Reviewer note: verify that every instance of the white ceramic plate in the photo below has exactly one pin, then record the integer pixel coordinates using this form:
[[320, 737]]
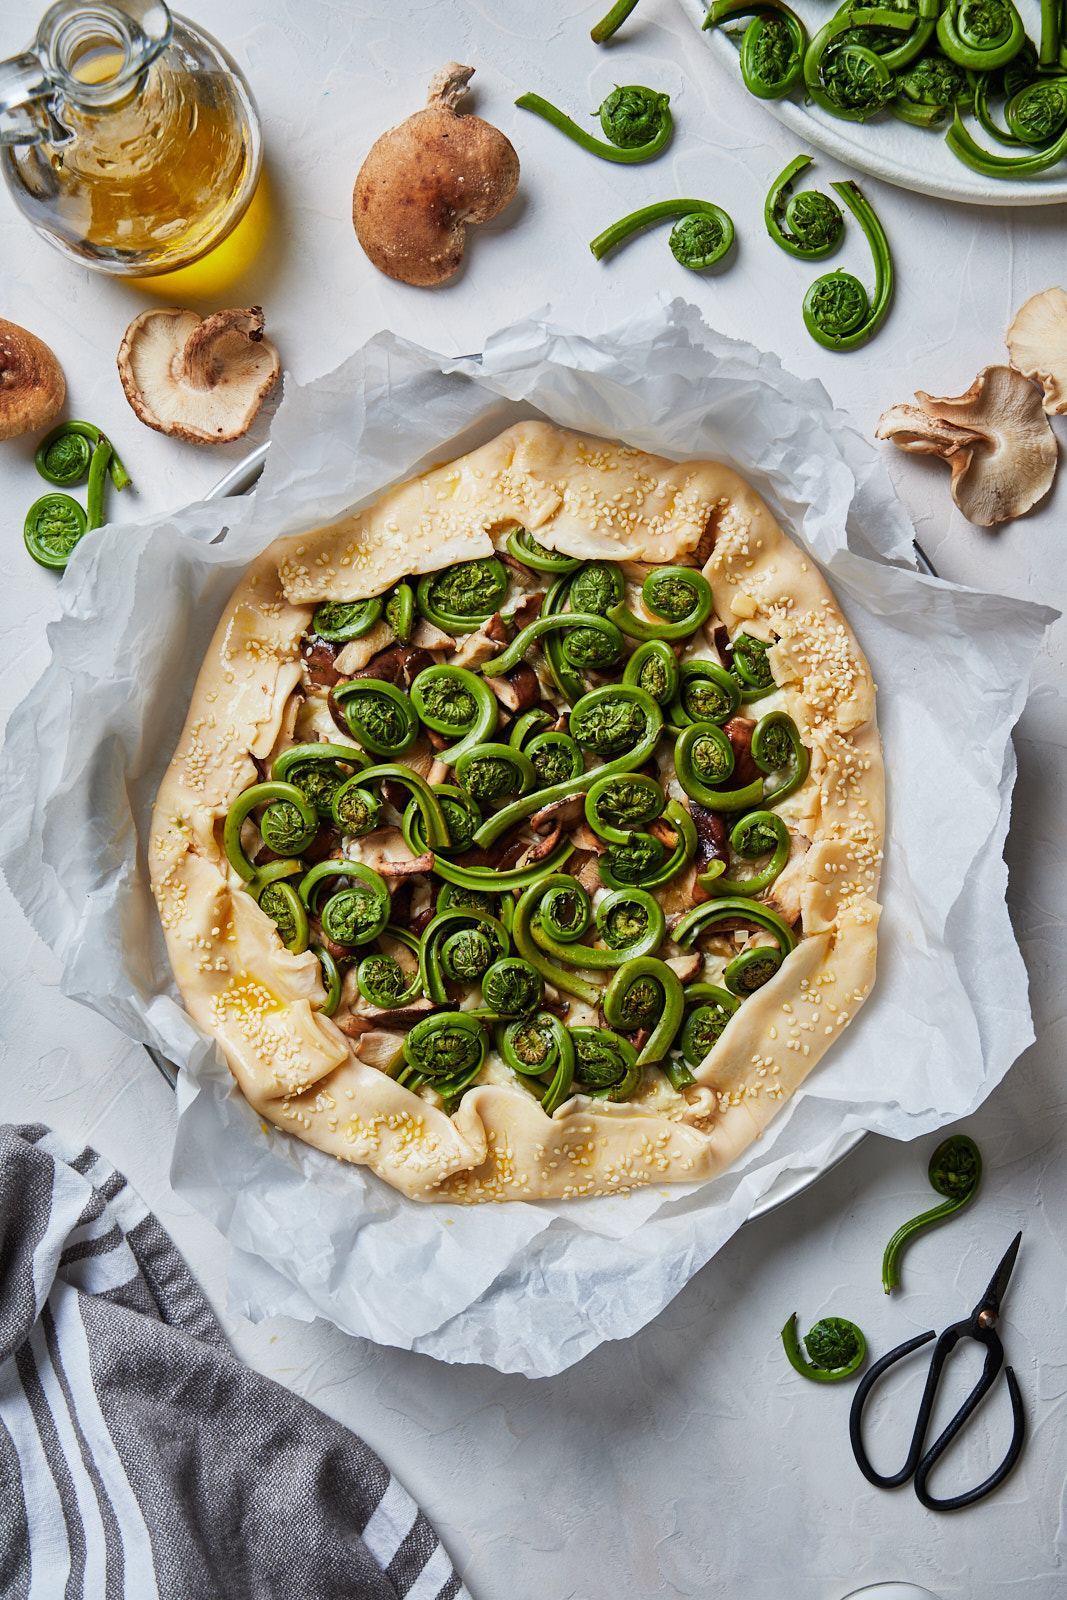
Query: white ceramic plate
[[912, 158]]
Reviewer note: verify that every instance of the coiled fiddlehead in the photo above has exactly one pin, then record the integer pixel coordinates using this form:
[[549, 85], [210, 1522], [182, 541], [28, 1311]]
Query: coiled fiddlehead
[[339, 621], [601, 718], [773, 46], [462, 816], [555, 758], [646, 993], [453, 701], [459, 946], [955, 1171], [679, 596], [590, 641], [274, 893], [653, 667], [63, 456], [453, 898], [460, 598], [1039, 111], [631, 862], [318, 771], [707, 1011], [750, 970], [568, 910], [533, 1048], [844, 70], [354, 809], [929, 88], [636, 120], [760, 833], [53, 526], [379, 716], [446, 1051], [972, 155], [512, 987], [287, 825], [699, 240], [434, 827], [837, 312], [605, 1064], [382, 980], [703, 760], [808, 224], [616, 804], [980, 34], [751, 667], [494, 771], [837, 1349], [706, 693], [777, 747], [524, 547], [331, 977], [400, 611], [55, 523], [353, 915]]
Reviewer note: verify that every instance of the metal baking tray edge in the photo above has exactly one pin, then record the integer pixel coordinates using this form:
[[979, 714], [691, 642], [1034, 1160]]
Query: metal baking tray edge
[[243, 477]]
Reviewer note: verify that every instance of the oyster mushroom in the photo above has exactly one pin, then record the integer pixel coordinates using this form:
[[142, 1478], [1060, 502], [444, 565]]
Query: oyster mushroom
[[31, 382], [199, 380], [1037, 344], [996, 439], [426, 179]]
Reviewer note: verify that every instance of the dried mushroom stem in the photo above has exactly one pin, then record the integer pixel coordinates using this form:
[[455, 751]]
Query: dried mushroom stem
[[199, 380]]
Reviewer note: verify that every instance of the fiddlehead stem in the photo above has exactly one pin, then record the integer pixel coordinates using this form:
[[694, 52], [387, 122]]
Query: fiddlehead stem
[[522, 931], [760, 833], [972, 155], [379, 716], [521, 544], [776, 747], [331, 978], [837, 1349], [837, 312], [460, 598], [614, 20], [955, 1171], [339, 621], [702, 919], [699, 240], [287, 825], [435, 828], [809, 224], [646, 993], [453, 701], [400, 611], [636, 120], [275, 895]]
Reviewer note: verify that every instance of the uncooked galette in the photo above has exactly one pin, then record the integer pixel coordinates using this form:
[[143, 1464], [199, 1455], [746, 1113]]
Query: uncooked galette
[[524, 833]]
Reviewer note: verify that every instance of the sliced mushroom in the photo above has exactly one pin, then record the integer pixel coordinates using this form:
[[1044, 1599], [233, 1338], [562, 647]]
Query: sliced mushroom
[[358, 653], [686, 966], [320, 664], [32, 388], [378, 1048], [1037, 344], [199, 380], [386, 852], [476, 648], [424, 181], [996, 439], [739, 731], [428, 636], [518, 690], [568, 811]]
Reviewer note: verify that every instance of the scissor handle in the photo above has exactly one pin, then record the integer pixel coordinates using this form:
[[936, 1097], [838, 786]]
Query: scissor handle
[[855, 1420], [941, 1444]]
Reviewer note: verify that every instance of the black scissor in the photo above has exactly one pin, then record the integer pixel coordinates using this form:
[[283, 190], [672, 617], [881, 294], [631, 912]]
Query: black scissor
[[980, 1325]]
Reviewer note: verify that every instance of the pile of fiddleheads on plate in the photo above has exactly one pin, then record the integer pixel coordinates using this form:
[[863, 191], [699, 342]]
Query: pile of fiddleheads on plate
[[924, 61], [579, 824]]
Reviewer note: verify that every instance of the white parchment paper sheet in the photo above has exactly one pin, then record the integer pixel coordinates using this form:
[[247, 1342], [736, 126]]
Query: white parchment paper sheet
[[529, 1287]]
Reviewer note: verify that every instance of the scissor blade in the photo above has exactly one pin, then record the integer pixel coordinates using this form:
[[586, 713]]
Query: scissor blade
[[990, 1301]]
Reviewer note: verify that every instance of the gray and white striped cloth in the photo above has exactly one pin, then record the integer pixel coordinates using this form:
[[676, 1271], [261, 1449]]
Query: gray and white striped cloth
[[139, 1460]]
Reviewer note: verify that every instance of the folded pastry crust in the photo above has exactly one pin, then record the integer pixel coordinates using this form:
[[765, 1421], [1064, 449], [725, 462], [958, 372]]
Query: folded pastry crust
[[595, 500]]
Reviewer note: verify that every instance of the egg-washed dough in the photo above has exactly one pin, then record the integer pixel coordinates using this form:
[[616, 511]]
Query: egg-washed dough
[[595, 500]]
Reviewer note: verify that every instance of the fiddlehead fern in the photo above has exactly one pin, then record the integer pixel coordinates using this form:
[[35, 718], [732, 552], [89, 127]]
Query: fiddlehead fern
[[646, 993], [605, 1064], [53, 526], [636, 120], [460, 598], [980, 34], [511, 987], [837, 1349], [591, 641], [55, 523], [751, 667], [808, 224], [929, 88], [972, 155], [616, 804], [318, 771], [776, 747], [706, 693], [63, 456], [708, 1010], [760, 833], [331, 978], [955, 1171], [273, 892], [843, 71], [339, 621], [524, 547], [1038, 112], [399, 611], [837, 312], [379, 716], [494, 771], [704, 759], [699, 240], [434, 826], [555, 758], [352, 915], [455, 702], [773, 46], [287, 825], [382, 980], [653, 667], [704, 918], [569, 912], [446, 1052], [533, 1048], [752, 969], [354, 809], [459, 946]]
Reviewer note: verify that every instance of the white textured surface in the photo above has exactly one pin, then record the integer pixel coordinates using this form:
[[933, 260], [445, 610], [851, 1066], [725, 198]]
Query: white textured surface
[[688, 1460]]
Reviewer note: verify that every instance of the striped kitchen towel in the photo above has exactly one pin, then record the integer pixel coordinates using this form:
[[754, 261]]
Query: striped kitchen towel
[[139, 1460]]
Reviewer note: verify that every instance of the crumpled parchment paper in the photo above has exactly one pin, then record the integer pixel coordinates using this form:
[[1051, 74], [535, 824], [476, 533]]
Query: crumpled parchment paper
[[529, 1287]]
